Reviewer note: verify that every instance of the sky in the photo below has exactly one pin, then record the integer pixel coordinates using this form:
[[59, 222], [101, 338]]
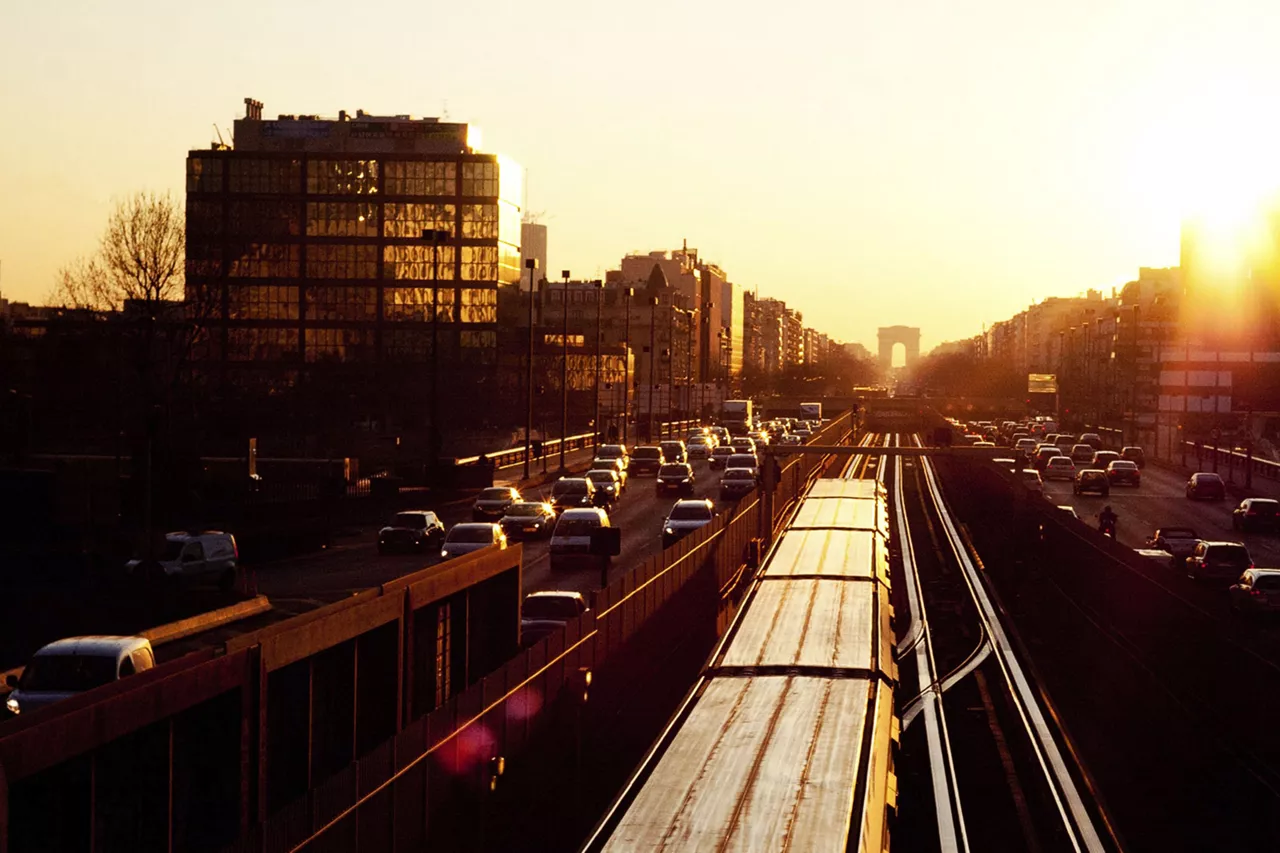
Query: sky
[[933, 164]]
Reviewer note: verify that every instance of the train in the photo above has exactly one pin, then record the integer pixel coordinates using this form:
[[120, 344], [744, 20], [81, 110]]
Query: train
[[788, 738]]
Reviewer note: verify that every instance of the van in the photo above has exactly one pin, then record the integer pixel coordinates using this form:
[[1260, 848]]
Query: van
[[571, 540], [67, 667], [208, 555]]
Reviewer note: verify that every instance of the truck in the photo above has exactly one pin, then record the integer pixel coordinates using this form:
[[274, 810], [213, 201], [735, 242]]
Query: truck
[[735, 416], [811, 411]]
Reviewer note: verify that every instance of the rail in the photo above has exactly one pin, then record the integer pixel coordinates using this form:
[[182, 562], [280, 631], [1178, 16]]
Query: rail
[[581, 441]]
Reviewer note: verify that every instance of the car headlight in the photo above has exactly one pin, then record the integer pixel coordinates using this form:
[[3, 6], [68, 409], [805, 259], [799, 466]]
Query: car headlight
[[671, 531], [12, 705], [685, 480], [444, 554]]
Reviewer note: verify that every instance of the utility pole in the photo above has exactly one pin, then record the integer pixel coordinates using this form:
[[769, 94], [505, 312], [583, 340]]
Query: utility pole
[[564, 372], [595, 442], [653, 345], [627, 293], [532, 265]]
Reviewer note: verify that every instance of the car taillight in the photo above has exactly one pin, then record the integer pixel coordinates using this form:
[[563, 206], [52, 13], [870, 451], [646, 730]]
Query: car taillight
[[1252, 512], [1256, 593]]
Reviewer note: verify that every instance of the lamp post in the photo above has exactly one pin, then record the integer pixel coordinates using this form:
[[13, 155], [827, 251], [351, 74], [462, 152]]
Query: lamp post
[[595, 423], [564, 370], [627, 293], [671, 360], [653, 345], [688, 366], [531, 264], [435, 235]]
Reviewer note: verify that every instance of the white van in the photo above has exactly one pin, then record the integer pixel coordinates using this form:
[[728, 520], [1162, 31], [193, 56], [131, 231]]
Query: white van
[[67, 667], [571, 541], [208, 555]]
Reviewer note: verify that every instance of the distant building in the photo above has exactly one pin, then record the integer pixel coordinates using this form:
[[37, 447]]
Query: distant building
[[533, 244], [316, 235]]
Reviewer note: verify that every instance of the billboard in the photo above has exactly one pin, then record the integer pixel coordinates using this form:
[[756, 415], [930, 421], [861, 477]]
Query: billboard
[[1042, 383]]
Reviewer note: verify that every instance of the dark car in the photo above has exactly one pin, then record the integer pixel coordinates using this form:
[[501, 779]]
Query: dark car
[[1256, 514], [685, 517], [606, 481], [528, 520], [1178, 541], [1042, 457], [1103, 458], [674, 451], [1092, 439], [1206, 486], [1134, 454], [719, 455], [675, 477], [412, 530], [1092, 480], [736, 482], [645, 460], [491, 504], [573, 493], [547, 611], [1122, 472], [1218, 561]]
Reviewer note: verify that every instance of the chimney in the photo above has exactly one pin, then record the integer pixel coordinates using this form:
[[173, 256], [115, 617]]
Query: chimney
[[252, 109], [342, 115]]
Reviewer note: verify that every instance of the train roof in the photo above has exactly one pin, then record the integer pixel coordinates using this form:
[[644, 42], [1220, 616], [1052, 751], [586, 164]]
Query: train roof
[[827, 552], [841, 514], [866, 489]]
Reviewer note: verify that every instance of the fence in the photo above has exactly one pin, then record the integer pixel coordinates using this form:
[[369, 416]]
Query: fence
[[1224, 460], [515, 455]]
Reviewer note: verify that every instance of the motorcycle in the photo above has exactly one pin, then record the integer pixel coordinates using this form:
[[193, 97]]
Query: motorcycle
[[1107, 526]]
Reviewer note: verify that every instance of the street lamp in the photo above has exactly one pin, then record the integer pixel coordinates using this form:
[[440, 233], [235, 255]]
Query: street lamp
[[564, 371], [627, 293], [433, 437], [595, 442], [530, 264], [688, 365], [653, 345]]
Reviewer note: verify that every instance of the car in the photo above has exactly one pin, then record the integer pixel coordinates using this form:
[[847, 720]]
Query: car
[[412, 530], [721, 434], [470, 536], [646, 459], [1256, 514], [736, 482], [192, 556], [1163, 557], [492, 503], [675, 477], [548, 610], [67, 667], [1178, 541], [674, 451], [1091, 480], [574, 493], [719, 455], [1006, 463], [1060, 468], [1257, 591], [698, 434], [1134, 453], [744, 460], [743, 444], [528, 520], [571, 541], [700, 447], [607, 483], [1025, 445], [1206, 486], [1218, 561], [1064, 442], [1043, 454], [615, 463], [1030, 478], [1068, 510], [1092, 439], [802, 433], [1122, 472], [1081, 454], [790, 440], [684, 518], [614, 452], [1102, 458]]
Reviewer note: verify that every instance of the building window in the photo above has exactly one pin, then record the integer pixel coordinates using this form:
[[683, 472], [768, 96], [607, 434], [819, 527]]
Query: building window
[[264, 176], [407, 344], [414, 303], [480, 347], [480, 263], [417, 177], [342, 303], [339, 345], [342, 219], [414, 262], [480, 221], [204, 216], [480, 179], [266, 260], [204, 174], [342, 177], [204, 259], [262, 344], [342, 261], [410, 220], [262, 302], [479, 306], [264, 218]]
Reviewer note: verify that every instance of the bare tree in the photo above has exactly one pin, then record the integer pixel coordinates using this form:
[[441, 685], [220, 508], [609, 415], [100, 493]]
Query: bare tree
[[140, 258]]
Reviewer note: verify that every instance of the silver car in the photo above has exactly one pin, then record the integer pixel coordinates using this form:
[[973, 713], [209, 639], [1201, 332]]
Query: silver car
[[67, 667], [471, 536]]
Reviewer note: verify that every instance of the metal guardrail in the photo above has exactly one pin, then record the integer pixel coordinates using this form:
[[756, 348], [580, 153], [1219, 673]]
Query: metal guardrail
[[1228, 461], [515, 455]]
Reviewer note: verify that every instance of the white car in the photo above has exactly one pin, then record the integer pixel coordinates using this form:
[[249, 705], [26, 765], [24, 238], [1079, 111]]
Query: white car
[[545, 611], [67, 667], [700, 446], [471, 536], [209, 555], [571, 540], [1030, 478], [1060, 468]]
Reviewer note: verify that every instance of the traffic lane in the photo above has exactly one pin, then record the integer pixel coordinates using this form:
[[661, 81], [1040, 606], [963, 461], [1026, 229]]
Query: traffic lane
[[639, 513], [1161, 502]]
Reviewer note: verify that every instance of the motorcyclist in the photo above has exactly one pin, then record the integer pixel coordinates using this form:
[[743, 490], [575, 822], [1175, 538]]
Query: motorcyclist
[[1107, 519]]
